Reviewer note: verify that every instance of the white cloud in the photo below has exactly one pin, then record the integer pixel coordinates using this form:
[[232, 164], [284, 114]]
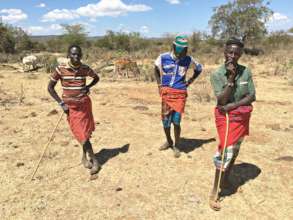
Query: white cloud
[[123, 29], [60, 14], [56, 27], [41, 5], [174, 2], [276, 17], [113, 8], [12, 15], [144, 29], [278, 22], [53, 29]]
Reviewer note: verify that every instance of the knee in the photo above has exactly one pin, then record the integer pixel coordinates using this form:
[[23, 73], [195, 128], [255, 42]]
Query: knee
[[176, 119], [86, 143]]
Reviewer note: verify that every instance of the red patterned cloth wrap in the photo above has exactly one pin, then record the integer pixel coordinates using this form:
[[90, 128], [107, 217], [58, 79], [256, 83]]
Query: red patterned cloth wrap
[[173, 100], [80, 119], [238, 125]]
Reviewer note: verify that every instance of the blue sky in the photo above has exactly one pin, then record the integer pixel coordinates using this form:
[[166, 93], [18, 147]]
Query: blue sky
[[152, 18]]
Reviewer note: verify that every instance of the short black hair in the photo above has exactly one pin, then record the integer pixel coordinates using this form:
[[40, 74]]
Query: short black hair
[[234, 40], [72, 46]]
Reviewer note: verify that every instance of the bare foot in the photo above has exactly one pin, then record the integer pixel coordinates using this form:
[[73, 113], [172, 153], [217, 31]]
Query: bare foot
[[176, 152], [165, 146], [214, 203], [87, 164], [96, 167]]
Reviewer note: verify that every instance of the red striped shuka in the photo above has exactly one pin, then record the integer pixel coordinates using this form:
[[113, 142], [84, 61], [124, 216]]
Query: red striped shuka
[[73, 81]]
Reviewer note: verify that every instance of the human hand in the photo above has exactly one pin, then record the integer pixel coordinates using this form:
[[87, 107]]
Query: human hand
[[228, 107], [86, 90], [64, 108], [231, 68], [159, 89]]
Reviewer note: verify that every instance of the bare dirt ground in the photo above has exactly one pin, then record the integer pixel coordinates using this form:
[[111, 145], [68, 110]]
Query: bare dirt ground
[[137, 181]]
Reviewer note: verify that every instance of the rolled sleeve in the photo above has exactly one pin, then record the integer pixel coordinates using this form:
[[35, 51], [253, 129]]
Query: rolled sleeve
[[56, 75], [251, 87], [158, 62], [92, 73], [216, 84]]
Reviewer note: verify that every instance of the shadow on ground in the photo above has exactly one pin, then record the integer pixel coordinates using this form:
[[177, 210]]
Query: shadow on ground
[[188, 145], [106, 154], [240, 174]]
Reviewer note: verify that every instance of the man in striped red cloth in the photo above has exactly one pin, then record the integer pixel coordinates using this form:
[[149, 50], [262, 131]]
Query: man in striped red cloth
[[76, 103], [170, 73], [234, 89]]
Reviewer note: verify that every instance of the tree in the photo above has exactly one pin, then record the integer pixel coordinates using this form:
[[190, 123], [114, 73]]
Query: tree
[[290, 30], [74, 34], [240, 17], [7, 40], [22, 40]]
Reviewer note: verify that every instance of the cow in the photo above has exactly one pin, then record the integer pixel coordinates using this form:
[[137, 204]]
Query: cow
[[29, 63], [125, 66], [253, 51], [62, 60]]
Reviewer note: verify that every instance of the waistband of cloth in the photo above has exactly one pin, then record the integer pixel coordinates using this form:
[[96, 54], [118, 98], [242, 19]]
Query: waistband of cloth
[[168, 90], [76, 100]]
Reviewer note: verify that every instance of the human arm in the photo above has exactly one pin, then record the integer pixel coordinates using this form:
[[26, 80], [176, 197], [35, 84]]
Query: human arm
[[196, 72], [157, 73], [95, 80], [247, 98], [158, 77], [55, 96]]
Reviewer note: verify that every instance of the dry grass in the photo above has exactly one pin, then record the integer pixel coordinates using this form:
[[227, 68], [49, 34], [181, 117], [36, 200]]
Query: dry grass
[[137, 181]]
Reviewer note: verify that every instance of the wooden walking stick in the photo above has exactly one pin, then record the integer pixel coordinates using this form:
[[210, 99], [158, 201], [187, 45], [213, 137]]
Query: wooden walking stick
[[223, 155], [46, 146]]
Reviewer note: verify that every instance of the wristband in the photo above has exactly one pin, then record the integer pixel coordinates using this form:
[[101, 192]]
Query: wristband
[[230, 84], [61, 103]]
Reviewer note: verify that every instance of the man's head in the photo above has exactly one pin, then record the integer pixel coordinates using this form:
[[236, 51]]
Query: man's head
[[74, 53], [180, 46], [233, 50]]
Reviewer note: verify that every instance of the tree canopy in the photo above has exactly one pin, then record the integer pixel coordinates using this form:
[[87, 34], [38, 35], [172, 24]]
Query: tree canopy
[[240, 17]]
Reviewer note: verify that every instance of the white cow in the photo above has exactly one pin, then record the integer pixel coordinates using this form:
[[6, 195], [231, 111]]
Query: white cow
[[29, 63], [62, 60]]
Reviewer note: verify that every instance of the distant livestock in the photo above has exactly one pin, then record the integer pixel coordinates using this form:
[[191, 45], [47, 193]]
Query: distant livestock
[[62, 60], [253, 51], [29, 63], [125, 66]]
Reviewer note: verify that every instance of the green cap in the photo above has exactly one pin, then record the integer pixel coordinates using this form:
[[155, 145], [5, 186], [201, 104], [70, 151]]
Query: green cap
[[181, 41]]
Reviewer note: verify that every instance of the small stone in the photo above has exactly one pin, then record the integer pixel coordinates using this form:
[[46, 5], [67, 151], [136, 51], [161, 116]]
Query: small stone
[[53, 112], [141, 108], [20, 164], [33, 114], [118, 189], [275, 127]]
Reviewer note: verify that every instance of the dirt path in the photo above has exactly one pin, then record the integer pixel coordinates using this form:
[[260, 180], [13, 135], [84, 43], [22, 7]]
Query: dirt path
[[137, 181]]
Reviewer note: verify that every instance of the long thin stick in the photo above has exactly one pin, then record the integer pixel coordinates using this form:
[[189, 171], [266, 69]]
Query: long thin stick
[[223, 155], [46, 146]]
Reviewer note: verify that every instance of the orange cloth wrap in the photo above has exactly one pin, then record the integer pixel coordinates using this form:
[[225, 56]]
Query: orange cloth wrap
[[80, 119], [174, 98]]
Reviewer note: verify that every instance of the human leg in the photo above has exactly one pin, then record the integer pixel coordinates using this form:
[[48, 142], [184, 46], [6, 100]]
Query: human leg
[[236, 148], [167, 130], [176, 119], [95, 166]]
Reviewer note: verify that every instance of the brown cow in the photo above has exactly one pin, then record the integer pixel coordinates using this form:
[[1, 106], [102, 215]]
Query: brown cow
[[125, 66]]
